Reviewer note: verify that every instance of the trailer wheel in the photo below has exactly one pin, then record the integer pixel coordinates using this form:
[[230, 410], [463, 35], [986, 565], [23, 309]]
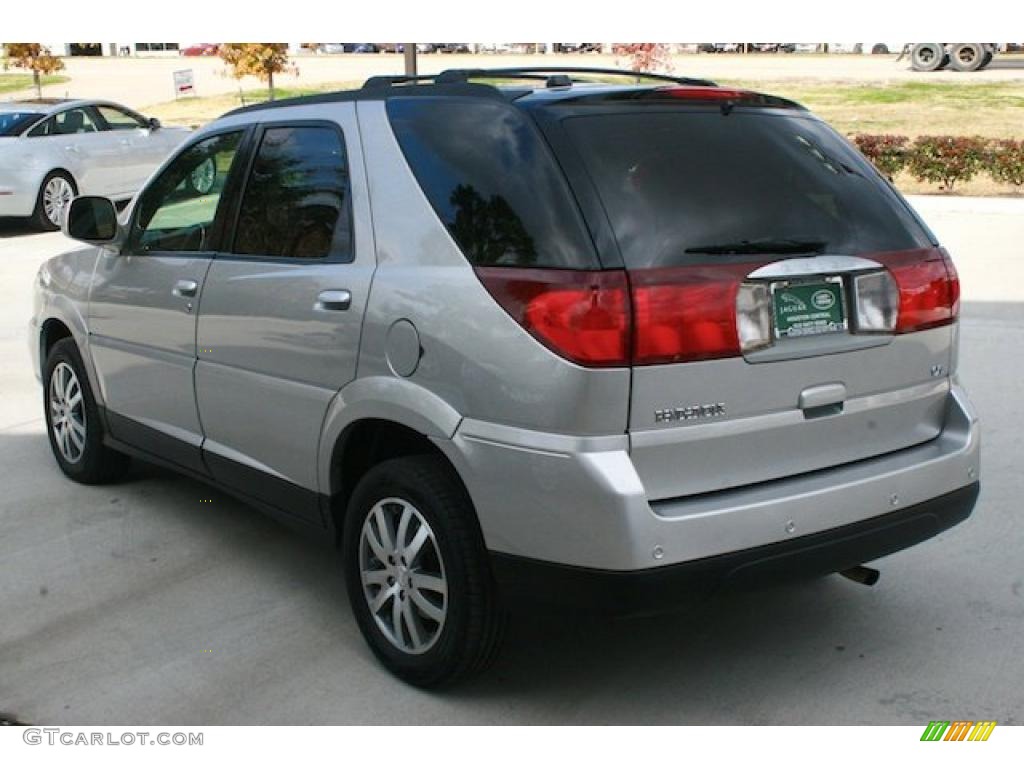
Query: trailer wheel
[[967, 57], [927, 57], [879, 49], [986, 59]]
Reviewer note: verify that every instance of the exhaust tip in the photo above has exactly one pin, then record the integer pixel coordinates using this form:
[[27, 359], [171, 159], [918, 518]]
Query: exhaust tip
[[862, 575]]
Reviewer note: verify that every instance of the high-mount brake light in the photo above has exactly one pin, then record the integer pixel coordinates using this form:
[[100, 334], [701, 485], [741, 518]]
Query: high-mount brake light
[[703, 93]]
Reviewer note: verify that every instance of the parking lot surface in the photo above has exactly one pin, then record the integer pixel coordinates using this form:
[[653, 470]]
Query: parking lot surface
[[137, 603]]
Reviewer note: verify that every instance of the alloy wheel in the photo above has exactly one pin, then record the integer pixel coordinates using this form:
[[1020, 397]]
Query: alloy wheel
[[403, 575], [67, 413], [57, 195]]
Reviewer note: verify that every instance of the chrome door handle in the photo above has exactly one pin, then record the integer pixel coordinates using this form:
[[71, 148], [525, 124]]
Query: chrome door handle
[[333, 300], [185, 288]]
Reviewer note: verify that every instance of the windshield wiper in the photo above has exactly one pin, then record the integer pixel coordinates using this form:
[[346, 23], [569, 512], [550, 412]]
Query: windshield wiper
[[766, 245]]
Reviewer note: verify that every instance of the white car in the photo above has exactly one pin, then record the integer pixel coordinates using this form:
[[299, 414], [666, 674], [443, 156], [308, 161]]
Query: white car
[[52, 150]]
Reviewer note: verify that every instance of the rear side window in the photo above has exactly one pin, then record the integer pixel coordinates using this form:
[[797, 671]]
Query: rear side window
[[493, 182], [685, 186], [297, 196], [117, 119]]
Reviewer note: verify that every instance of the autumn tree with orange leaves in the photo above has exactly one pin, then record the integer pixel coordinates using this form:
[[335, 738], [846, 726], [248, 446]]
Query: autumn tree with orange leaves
[[262, 60], [34, 57], [645, 57]]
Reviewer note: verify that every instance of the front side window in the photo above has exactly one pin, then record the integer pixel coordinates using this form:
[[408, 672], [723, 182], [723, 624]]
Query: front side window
[[296, 200], [118, 119], [74, 121], [177, 210]]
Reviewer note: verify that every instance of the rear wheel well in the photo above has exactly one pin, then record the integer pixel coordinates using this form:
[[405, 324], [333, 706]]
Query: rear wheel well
[[362, 446], [53, 331]]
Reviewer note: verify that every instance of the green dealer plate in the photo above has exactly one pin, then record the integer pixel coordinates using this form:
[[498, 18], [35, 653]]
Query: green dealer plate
[[808, 309]]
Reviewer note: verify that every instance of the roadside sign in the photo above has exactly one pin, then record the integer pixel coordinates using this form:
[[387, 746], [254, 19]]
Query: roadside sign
[[184, 83]]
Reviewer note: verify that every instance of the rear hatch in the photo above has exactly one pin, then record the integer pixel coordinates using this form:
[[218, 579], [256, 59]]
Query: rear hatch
[[790, 313]]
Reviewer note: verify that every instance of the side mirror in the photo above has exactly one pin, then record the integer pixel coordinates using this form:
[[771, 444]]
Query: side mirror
[[153, 124], [91, 220]]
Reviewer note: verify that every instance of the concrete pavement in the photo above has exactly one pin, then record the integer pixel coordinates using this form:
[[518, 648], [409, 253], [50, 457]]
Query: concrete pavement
[[135, 603]]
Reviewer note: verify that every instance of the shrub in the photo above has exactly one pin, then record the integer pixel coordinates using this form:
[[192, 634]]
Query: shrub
[[947, 159], [1005, 161], [886, 152]]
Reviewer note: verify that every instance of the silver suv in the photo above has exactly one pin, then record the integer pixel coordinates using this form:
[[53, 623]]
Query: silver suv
[[564, 341]]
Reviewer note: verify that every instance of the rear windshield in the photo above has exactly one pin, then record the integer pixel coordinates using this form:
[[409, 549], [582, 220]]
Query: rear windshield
[[685, 186], [13, 123], [492, 180]]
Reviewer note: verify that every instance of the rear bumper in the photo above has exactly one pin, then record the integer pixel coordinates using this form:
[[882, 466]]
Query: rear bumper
[[653, 590], [578, 501]]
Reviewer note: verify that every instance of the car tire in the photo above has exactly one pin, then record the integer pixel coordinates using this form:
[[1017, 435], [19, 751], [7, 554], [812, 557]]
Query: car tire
[[431, 614], [58, 186], [73, 422], [927, 57], [967, 57]]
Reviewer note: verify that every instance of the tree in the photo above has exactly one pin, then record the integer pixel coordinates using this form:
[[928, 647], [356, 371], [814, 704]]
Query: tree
[[262, 60], [34, 57], [646, 57]]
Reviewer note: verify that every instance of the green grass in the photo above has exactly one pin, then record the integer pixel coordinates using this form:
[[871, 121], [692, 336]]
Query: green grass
[[13, 82], [993, 109], [197, 110]]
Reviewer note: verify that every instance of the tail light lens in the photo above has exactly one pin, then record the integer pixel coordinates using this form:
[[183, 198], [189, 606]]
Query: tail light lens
[[685, 313], [877, 301], [929, 288], [582, 316], [604, 319]]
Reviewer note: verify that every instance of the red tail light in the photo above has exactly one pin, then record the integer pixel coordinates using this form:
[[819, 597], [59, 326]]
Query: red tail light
[[681, 314], [598, 319], [929, 288], [582, 316], [685, 313]]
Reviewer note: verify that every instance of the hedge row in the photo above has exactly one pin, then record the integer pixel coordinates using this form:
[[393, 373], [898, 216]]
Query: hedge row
[[945, 159]]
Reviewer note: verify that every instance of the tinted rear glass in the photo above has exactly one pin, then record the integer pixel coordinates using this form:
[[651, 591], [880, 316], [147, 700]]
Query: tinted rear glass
[[493, 182], [13, 123], [675, 183]]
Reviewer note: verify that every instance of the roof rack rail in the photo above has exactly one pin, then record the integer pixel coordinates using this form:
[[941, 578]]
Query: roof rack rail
[[554, 76], [460, 75]]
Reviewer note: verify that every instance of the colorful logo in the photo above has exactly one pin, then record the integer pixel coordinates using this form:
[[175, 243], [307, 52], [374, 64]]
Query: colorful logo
[[958, 730]]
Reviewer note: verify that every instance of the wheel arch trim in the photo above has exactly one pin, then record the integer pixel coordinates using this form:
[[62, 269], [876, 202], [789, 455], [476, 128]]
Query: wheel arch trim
[[382, 398]]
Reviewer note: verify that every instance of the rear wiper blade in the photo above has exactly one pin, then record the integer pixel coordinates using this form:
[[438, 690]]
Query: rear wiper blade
[[783, 246]]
